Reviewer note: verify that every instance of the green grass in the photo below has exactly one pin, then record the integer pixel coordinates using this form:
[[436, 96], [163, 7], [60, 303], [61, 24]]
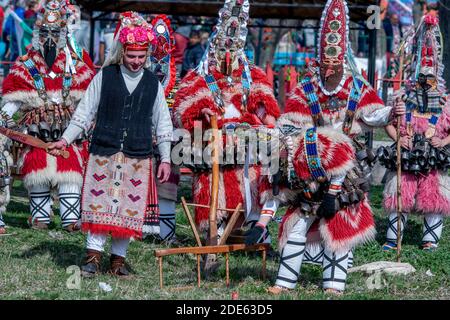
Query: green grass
[[380, 135], [33, 266]]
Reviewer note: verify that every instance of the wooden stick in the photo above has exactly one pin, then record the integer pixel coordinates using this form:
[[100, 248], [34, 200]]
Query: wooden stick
[[218, 209], [399, 193], [198, 270], [7, 234], [191, 222], [227, 268], [264, 256], [399, 173], [214, 183], [230, 225], [211, 249], [160, 272]]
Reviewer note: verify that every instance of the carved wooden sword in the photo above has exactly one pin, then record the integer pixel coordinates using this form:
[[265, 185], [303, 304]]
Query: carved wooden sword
[[30, 140]]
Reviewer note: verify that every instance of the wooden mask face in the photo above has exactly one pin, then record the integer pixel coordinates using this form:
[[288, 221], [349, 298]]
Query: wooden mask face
[[331, 74]]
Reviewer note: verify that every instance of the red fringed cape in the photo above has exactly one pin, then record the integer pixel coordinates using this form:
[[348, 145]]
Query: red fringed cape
[[297, 110], [350, 226]]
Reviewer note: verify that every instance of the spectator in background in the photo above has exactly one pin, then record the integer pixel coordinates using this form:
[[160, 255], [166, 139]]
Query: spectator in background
[[2, 18], [107, 39], [204, 35], [82, 35], [2, 44], [31, 13], [193, 53], [181, 36], [394, 33], [9, 32]]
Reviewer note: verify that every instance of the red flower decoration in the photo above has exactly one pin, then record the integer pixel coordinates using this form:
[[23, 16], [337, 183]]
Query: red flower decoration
[[431, 20]]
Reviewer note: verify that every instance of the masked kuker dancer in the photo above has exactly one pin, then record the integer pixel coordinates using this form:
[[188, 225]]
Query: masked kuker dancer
[[46, 85], [333, 97], [227, 86], [425, 129]]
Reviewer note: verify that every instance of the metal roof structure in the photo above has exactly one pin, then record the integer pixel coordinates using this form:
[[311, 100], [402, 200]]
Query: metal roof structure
[[289, 9]]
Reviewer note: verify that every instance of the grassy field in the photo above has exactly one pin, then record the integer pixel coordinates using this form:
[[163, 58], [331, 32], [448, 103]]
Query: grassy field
[[34, 264]]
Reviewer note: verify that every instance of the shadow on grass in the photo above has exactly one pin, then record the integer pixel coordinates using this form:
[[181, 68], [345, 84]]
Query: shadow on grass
[[62, 254], [66, 254], [412, 234], [309, 275], [16, 221], [413, 231], [17, 214], [20, 220]]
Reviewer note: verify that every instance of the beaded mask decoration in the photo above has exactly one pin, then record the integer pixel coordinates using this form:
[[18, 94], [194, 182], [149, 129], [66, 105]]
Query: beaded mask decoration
[[162, 61], [226, 46], [51, 24], [333, 43], [427, 53], [227, 42], [426, 91]]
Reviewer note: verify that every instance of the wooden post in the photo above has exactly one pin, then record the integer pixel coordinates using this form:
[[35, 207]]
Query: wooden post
[[160, 259], [214, 183], [198, 270], [227, 268], [191, 221], [230, 225]]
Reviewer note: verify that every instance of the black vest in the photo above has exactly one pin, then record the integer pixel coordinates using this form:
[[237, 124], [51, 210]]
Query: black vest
[[124, 121]]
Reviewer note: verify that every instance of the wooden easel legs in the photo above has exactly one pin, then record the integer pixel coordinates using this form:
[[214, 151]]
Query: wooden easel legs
[[198, 251], [212, 249]]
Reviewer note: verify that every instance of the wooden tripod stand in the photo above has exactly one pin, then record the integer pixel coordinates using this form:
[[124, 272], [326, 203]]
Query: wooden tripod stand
[[214, 246]]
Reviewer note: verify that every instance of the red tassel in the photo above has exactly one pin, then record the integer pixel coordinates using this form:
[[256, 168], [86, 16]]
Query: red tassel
[[228, 62]]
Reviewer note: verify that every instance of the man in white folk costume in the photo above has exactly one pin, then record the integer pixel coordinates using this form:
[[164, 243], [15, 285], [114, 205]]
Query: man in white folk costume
[[119, 192]]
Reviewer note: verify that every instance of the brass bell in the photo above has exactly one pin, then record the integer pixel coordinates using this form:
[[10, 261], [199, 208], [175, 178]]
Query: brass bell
[[414, 167], [56, 131], [344, 200], [354, 199], [305, 207], [361, 155], [371, 156], [44, 131], [33, 130]]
